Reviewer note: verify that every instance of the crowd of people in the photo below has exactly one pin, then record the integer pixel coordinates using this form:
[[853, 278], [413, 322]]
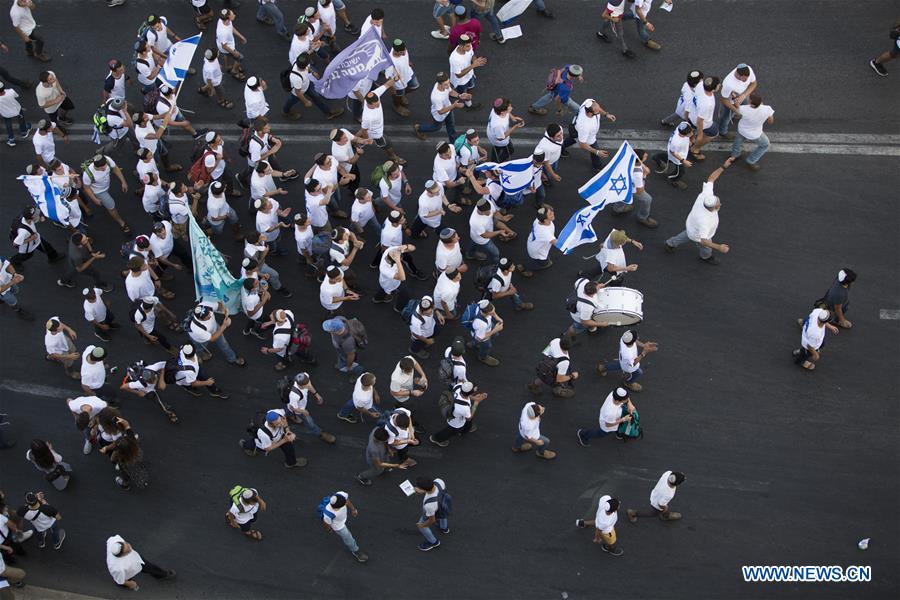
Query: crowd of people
[[346, 220]]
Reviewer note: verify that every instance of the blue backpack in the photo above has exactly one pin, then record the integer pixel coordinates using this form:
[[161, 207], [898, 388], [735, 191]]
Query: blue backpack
[[322, 508], [444, 503], [468, 317], [409, 310]]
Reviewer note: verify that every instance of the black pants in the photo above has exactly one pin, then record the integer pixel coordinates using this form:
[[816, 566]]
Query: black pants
[[290, 455], [418, 227], [66, 106], [150, 569], [44, 247], [673, 172], [354, 185], [35, 45], [9, 78], [72, 272], [416, 344], [401, 296], [449, 431], [406, 257], [109, 320], [161, 339], [502, 153]]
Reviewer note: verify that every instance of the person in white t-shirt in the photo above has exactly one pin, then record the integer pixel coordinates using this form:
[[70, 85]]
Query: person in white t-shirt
[[96, 312], [10, 110], [604, 524], [703, 220], [502, 124], [702, 115], [212, 79], [303, 89], [750, 128], [463, 63], [269, 224], [612, 414], [585, 305], [640, 197], [24, 24], [444, 100], [254, 296], [424, 325], [44, 141], [401, 65], [372, 124], [146, 381], [500, 285], [334, 517], [675, 159], [59, 343], [550, 146], [431, 489], [95, 180], [637, 11], [448, 255], [561, 378], [296, 403], [362, 401], [612, 26], [445, 172], [529, 435], [432, 205], [346, 150], [219, 212], [736, 89], [93, 374], [334, 291], [812, 338], [226, 32], [611, 258], [685, 97], [632, 352], [362, 213], [255, 104], [660, 498], [583, 131], [465, 399], [446, 292], [245, 505], [541, 239]]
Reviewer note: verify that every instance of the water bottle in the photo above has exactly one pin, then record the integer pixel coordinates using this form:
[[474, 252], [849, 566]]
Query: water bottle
[[863, 544]]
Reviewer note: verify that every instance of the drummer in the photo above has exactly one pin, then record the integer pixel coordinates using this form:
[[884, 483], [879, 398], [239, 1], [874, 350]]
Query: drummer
[[611, 258]]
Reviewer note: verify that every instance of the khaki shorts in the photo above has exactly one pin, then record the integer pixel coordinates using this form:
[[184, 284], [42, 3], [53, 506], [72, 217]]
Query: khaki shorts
[[609, 538]]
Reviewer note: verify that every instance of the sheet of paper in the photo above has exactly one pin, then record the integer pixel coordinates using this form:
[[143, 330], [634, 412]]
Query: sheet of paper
[[407, 488], [512, 32], [666, 6]]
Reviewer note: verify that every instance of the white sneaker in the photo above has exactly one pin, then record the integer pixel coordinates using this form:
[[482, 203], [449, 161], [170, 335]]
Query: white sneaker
[[24, 535], [87, 447], [439, 35]]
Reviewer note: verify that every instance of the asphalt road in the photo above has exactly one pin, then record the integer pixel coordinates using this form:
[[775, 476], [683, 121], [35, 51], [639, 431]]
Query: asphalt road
[[783, 466]]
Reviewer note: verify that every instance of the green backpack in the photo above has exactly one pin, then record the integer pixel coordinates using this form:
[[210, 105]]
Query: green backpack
[[459, 142], [100, 120], [235, 494], [380, 172], [86, 168]]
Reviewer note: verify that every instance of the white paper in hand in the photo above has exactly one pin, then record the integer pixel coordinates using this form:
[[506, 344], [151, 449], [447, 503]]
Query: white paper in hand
[[511, 33], [407, 488]]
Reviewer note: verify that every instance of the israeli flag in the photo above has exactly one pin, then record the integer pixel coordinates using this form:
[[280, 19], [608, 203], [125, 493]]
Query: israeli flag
[[213, 283], [516, 176], [614, 183], [175, 69], [578, 230], [48, 197]]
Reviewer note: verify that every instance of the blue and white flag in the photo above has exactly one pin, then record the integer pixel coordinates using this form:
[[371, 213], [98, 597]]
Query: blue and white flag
[[213, 283], [366, 57], [578, 230], [48, 197], [614, 183], [175, 69], [516, 176]]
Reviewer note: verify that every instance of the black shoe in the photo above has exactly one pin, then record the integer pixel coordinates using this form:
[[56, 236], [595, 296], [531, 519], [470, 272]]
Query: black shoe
[[217, 393], [66, 284], [603, 37], [24, 314], [102, 337], [628, 54], [365, 482], [712, 260], [192, 391], [669, 249], [285, 292], [878, 68], [546, 14], [106, 287], [564, 153]]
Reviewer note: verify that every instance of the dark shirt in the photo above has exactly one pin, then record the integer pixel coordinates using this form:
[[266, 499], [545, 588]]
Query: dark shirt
[[837, 294], [78, 254], [376, 450]]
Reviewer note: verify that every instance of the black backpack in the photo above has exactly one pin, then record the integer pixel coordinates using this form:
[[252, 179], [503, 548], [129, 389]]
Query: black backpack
[[244, 141], [257, 423], [484, 276], [285, 78], [546, 369], [15, 226]]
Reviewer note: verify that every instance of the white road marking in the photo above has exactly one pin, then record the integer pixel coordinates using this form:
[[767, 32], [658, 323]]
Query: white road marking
[[889, 314], [32, 389]]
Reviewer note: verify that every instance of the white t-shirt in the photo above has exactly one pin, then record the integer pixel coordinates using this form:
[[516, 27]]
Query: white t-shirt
[[609, 254], [304, 238], [225, 36], [162, 247], [22, 18], [732, 87], [422, 325], [604, 522], [498, 129], [678, 144], [392, 188], [703, 106], [587, 126], [259, 145], [24, 231], [141, 132], [160, 39], [458, 62], [267, 220], [439, 99], [430, 508], [478, 224], [201, 331], [56, 342], [813, 334], [610, 413], [101, 176], [9, 106], [499, 281], [255, 102], [298, 397], [662, 493], [402, 381], [446, 258], [315, 208], [251, 304], [363, 398], [299, 80], [281, 333], [186, 375], [215, 162], [400, 64], [339, 520], [243, 513], [627, 356], [685, 98], [343, 153], [540, 240], [752, 119], [552, 150], [586, 305], [373, 118], [328, 291], [96, 310], [529, 428], [362, 212], [142, 387], [140, 286], [44, 145], [391, 235], [94, 402], [481, 326], [462, 410], [217, 207], [430, 204], [299, 46], [93, 375], [260, 185], [44, 93], [145, 318], [701, 223], [212, 71], [396, 433], [446, 290], [445, 169]]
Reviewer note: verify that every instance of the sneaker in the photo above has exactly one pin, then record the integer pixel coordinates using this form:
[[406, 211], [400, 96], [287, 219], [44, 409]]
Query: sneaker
[[170, 573], [437, 443], [328, 438], [489, 361], [546, 14], [352, 29], [27, 134], [192, 391], [365, 482], [712, 260], [670, 516], [439, 35], [42, 543], [360, 556], [653, 45], [425, 546], [120, 481], [107, 287], [62, 538], [649, 222], [301, 462], [634, 387], [525, 306], [546, 454], [878, 68], [603, 37], [628, 54], [24, 535], [613, 550], [247, 452], [680, 184], [88, 446], [350, 419], [423, 354], [632, 515], [286, 293], [601, 370], [581, 440], [11, 143], [102, 337], [580, 523], [218, 393], [65, 284], [669, 249]]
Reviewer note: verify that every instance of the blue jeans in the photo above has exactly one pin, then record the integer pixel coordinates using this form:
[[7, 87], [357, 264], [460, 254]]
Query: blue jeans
[[426, 531], [643, 201], [347, 409], [587, 435], [313, 97], [540, 449], [548, 98], [448, 123], [762, 146], [493, 253], [536, 264], [571, 140], [9, 296], [643, 34], [272, 11], [484, 347], [614, 365], [355, 107], [341, 365], [347, 538], [412, 85], [53, 531], [274, 277], [223, 346], [23, 126], [539, 5], [726, 116], [310, 424], [492, 19]]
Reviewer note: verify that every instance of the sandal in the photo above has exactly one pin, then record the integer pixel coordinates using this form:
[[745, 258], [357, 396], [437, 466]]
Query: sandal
[[126, 229], [173, 418], [167, 294], [228, 104], [202, 90], [808, 366], [238, 75], [280, 366], [254, 535], [176, 328], [537, 111], [240, 362]]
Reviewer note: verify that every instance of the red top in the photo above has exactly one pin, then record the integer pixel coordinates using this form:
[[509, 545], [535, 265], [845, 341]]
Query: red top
[[472, 27]]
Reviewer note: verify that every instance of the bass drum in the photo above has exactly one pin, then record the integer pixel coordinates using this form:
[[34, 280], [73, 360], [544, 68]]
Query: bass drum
[[619, 306]]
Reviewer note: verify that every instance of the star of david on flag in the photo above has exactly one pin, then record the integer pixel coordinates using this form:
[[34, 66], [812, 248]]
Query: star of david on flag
[[178, 61], [578, 230], [516, 176], [613, 183]]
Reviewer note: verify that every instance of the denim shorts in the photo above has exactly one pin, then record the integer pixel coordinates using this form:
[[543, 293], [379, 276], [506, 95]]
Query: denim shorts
[[440, 11]]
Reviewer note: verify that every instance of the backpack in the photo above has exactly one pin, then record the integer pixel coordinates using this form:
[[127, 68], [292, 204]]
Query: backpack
[[378, 173], [358, 331], [244, 141], [127, 249], [285, 78], [468, 317], [284, 386], [322, 508], [444, 503], [409, 310], [555, 78], [86, 168], [320, 245], [199, 147], [546, 369], [151, 99], [445, 369], [446, 402], [257, 423], [100, 120], [234, 494], [136, 306], [573, 300], [15, 226], [483, 278], [199, 174], [632, 428], [459, 142]]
